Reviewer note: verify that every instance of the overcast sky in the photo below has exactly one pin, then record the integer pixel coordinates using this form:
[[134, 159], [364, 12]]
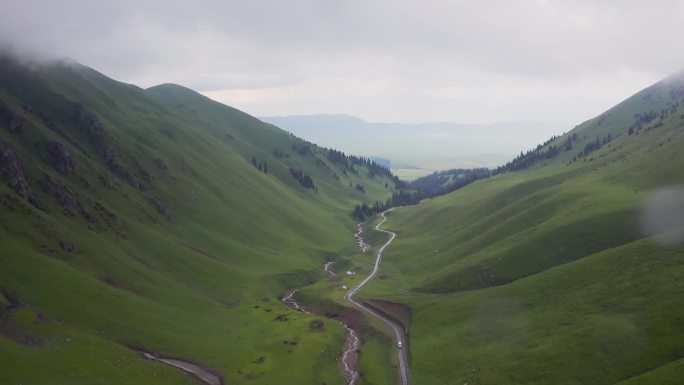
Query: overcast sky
[[398, 61]]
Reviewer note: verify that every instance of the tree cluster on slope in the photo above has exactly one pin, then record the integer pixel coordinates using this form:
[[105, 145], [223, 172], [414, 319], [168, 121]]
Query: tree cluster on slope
[[593, 146], [363, 211], [642, 120], [263, 167], [347, 162], [444, 182], [303, 179], [430, 186], [302, 148], [280, 154], [543, 151], [399, 198]]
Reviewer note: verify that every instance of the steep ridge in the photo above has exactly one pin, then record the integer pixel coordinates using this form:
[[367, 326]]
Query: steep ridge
[[548, 272], [163, 221]]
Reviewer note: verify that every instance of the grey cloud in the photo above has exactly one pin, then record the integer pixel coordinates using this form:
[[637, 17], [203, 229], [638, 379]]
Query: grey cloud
[[383, 60]]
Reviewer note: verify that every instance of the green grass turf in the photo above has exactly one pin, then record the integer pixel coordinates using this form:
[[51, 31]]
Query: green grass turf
[[669, 374], [544, 275], [202, 284], [538, 276]]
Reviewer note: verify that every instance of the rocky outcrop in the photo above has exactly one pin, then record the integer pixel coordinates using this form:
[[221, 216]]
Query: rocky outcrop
[[48, 121], [11, 122], [108, 181], [161, 164], [124, 174], [95, 133], [112, 219], [146, 177], [103, 143], [10, 168], [67, 199], [61, 158], [67, 246], [161, 208], [14, 125]]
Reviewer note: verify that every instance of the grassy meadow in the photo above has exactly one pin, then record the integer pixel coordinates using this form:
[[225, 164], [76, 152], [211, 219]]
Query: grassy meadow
[[159, 220], [546, 275], [153, 226]]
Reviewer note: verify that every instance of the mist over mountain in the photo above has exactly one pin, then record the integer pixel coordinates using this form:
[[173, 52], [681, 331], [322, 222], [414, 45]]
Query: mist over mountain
[[427, 146], [436, 193]]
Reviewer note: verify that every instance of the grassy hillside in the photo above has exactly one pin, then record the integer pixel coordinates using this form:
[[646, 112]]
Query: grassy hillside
[[545, 274], [161, 220]]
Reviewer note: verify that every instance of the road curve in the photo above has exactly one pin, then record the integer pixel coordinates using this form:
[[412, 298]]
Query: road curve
[[200, 372], [397, 328]]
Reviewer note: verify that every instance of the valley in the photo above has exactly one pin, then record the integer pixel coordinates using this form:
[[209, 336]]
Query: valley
[[419, 149], [145, 231], [159, 220]]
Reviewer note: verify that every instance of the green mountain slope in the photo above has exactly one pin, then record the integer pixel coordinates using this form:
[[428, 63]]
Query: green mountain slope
[[545, 274], [161, 220]]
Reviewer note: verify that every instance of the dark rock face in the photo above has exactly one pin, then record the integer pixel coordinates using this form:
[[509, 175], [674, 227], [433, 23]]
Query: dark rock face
[[161, 208], [108, 181], [146, 176], [10, 167], [10, 121], [162, 165], [48, 121], [112, 219], [95, 133], [67, 246], [66, 198], [104, 144], [61, 159], [14, 126], [124, 174]]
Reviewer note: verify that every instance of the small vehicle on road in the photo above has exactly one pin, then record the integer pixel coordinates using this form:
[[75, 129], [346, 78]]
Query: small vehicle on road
[[399, 345]]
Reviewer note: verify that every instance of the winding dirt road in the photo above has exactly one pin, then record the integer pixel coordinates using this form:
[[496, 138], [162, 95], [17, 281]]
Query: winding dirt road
[[397, 328], [351, 346], [353, 341], [200, 372]]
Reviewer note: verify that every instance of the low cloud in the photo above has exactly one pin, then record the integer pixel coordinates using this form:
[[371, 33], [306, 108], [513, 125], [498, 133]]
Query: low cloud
[[399, 60]]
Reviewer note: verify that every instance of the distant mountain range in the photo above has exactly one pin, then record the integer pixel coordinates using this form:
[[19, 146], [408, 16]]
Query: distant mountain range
[[429, 145]]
